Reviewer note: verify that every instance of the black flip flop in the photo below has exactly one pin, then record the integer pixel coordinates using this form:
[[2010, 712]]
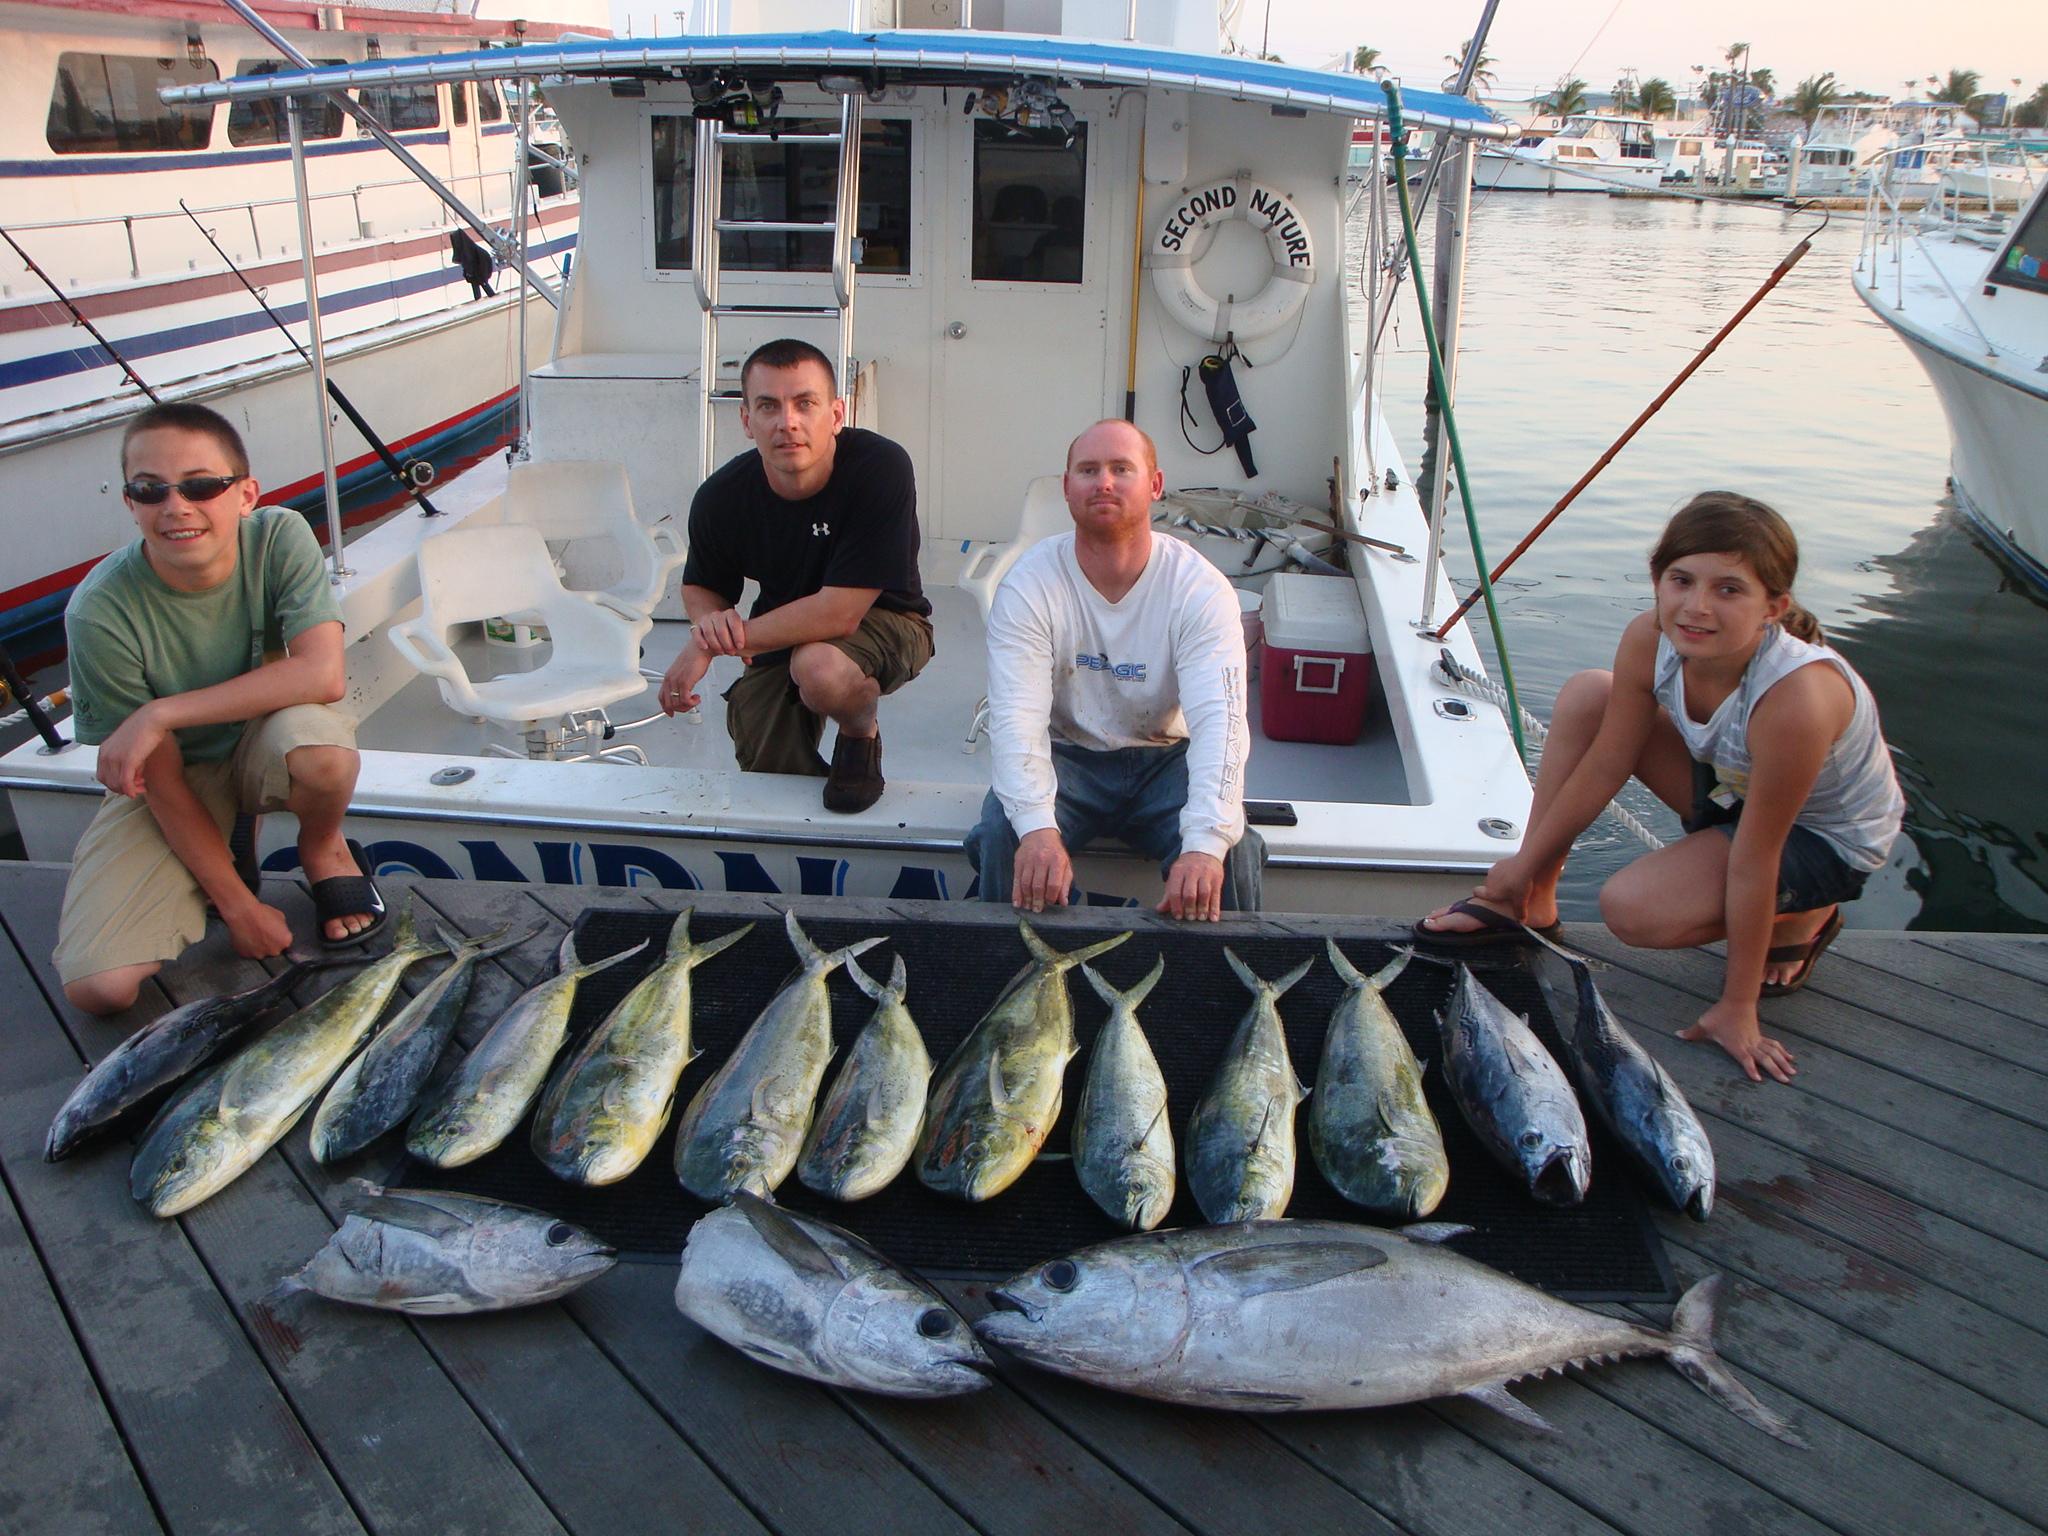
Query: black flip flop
[[341, 896], [1807, 955], [1495, 928]]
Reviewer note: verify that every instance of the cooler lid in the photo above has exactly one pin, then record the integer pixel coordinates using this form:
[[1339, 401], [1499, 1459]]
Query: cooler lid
[[1315, 613]]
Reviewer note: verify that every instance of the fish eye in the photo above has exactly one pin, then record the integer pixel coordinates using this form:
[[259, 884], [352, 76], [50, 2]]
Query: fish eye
[[1681, 1163], [560, 1233], [1532, 1139], [935, 1322], [1062, 1274]]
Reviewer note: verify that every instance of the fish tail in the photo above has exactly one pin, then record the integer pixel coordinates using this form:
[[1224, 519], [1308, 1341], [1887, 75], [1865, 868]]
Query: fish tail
[[891, 995], [816, 959], [698, 954], [1245, 973], [580, 971], [1143, 989], [1130, 999], [565, 955], [1347, 973], [1384, 976], [1103, 989], [1690, 1349], [484, 946], [1281, 986], [1046, 955], [408, 932]]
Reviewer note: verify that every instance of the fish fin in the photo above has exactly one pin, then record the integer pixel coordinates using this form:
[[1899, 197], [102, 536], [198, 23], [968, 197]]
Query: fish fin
[[679, 933], [807, 953], [998, 1095], [1086, 952], [1691, 1353], [884, 996], [1103, 989], [1433, 1231], [1143, 989], [1289, 1266], [1503, 1402], [1054, 1157], [1042, 953], [398, 1209], [565, 953], [488, 945], [1348, 973], [1245, 973], [840, 957], [791, 1243], [1384, 976], [1255, 1400], [581, 971], [758, 1103], [877, 1104], [1152, 1126], [719, 945], [1280, 987]]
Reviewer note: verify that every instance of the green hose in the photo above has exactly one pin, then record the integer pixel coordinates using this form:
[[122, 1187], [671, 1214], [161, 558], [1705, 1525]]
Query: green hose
[[1443, 395]]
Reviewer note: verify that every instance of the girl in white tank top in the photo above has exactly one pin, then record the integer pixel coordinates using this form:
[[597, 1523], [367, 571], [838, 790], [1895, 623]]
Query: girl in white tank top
[[1726, 703]]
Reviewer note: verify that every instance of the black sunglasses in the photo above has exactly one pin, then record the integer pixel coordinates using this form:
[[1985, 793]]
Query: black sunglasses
[[154, 493]]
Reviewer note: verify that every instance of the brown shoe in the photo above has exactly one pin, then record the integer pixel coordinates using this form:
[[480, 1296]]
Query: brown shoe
[[855, 782]]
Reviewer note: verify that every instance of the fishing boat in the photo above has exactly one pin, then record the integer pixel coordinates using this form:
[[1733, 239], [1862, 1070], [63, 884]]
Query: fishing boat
[[1967, 291], [1830, 160], [1593, 152], [96, 177], [1693, 155], [1036, 231]]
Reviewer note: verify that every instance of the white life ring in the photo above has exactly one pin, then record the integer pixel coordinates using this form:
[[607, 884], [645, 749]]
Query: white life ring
[[1184, 237]]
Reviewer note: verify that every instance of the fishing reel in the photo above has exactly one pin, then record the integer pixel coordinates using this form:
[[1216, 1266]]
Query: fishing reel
[[733, 101], [1030, 106], [418, 473]]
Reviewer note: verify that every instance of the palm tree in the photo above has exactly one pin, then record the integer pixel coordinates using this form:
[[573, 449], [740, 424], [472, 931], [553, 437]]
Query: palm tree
[[1363, 58], [1625, 98], [1763, 80], [1567, 100], [1655, 98], [1814, 93], [1962, 85], [1481, 75], [2033, 112]]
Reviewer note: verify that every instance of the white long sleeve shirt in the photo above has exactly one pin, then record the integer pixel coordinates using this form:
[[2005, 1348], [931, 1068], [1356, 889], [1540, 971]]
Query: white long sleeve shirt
[[1164, 664]]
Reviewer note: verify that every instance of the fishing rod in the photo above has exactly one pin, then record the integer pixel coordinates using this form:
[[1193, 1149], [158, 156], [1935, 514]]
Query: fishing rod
[[30, 706], [78, 315], [1792, 259], [417, 475]]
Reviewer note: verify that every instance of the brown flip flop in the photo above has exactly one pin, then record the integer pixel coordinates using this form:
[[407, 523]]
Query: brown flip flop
[[1806, 954], [1494, 928]]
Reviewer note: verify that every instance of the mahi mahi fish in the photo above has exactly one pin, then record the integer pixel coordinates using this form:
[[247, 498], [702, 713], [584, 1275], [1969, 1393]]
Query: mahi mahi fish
[[609, 1100], [164, 1051], [212, 1133], [483, 1099], [1279, 1315], [1240, 1147], [1123, 1147], [998, 1095], [1636, 1099], [1370, 1129], [378, 1089], [867, 1122], [433, 1254], [1513, 1094], [809, 1298], [746, 1125]]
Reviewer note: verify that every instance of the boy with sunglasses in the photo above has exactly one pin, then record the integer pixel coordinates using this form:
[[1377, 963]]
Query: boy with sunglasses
[[204, 659]]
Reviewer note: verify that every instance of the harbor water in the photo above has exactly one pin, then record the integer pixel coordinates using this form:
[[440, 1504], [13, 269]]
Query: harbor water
[[1577, 311]]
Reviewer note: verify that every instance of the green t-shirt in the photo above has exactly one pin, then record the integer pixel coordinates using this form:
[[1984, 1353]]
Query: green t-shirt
[[134, 639]]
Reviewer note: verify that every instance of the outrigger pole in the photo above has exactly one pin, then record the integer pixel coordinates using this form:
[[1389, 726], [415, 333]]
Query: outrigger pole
[[295, 112], [78, 316], [404, 474]]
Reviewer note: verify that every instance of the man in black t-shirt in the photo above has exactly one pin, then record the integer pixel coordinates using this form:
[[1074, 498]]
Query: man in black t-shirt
[[824, 517]]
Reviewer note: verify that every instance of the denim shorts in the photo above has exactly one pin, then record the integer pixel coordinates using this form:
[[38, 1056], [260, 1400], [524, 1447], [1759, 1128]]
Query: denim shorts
[[1811, 874]]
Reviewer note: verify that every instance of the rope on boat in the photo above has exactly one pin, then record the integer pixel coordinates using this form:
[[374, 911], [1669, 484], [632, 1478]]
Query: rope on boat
[[1453, 673]]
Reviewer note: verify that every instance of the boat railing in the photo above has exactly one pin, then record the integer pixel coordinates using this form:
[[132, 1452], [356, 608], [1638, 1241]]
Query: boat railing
[[139, 229], [1889, 223]]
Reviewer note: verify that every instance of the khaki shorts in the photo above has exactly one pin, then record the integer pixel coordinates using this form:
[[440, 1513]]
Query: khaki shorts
[[130, 901], [771, 730]]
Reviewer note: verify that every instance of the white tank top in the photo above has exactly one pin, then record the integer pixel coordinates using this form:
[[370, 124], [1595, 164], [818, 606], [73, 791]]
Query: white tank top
[[1855, 804]]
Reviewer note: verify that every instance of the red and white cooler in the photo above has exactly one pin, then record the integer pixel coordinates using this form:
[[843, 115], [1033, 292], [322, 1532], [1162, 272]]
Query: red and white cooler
[[1316, 679]]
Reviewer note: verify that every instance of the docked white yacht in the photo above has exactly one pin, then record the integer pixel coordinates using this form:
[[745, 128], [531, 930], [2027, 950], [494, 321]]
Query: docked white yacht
[[1968, 294], [1692, 155], [1037, 231], [1831, 159], [1594, 152], [94, 169]]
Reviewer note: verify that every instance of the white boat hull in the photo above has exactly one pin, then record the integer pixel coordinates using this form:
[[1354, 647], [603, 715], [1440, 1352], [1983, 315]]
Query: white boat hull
[[1527, 173]]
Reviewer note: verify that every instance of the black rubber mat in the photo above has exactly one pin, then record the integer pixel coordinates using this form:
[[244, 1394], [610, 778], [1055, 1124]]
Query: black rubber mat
[[1602, 1249]]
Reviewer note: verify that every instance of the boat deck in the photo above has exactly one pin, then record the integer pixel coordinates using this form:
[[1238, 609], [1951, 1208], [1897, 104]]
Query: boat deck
[[1883, 1220]]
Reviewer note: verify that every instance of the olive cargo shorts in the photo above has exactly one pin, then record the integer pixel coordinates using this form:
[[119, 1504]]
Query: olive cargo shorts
[[771, 730]]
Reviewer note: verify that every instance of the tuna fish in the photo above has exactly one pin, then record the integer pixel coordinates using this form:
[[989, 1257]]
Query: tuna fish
[[746, 1125], [1123, 1147], [213, 1132], [1513, 1095], [805, 1297], [1370, 1129], [1240, 1146], [1636, 1099], [611, 1098], [378, 1089], [164, 1051], [998, 1097], [431, 1253], [867, 1123], [1280, 1315], [483, 1100]]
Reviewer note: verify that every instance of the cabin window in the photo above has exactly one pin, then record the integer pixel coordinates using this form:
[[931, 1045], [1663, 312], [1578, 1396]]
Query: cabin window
[[2024, 261], [787, 182], [103, 103], [263, 122], [1030, 189], [488, 107], [403, 107], [458, 104]]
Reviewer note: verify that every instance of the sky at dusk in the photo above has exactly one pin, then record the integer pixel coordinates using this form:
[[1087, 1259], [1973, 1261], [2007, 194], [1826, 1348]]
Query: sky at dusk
[[1873, 45]]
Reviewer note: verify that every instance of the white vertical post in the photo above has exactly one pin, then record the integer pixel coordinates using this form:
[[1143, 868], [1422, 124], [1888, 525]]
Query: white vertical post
[[338, 569], [706, 170], [1453, 219], [521, 181]]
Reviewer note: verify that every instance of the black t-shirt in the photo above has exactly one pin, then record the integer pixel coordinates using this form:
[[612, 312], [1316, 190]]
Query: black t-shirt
[[859, 530]]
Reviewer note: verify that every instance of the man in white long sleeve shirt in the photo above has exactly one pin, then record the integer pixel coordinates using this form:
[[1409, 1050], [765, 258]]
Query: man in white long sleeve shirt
[[1117, 700]]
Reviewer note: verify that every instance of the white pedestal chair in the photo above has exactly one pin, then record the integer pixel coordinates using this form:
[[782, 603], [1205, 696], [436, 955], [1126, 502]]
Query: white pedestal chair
[[1043, 514], [473, 574], [575, 499]]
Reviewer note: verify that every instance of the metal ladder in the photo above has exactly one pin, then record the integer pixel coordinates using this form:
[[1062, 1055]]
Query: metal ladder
[[707, 224]]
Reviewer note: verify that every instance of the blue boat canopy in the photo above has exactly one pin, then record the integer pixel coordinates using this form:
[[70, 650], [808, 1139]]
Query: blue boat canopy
[[897, 58]]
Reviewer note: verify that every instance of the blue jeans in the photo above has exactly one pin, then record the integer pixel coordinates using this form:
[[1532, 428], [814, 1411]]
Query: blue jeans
[[1134, 794]]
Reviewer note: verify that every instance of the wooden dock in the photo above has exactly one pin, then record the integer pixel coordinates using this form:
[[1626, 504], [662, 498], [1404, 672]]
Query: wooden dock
[[1884, 1221]]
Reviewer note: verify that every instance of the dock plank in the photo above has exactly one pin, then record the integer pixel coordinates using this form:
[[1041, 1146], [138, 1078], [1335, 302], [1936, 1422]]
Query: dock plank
[[2016, 954]]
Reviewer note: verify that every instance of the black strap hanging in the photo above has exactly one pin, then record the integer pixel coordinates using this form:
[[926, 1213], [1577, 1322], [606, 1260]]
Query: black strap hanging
[[1220, 384]]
